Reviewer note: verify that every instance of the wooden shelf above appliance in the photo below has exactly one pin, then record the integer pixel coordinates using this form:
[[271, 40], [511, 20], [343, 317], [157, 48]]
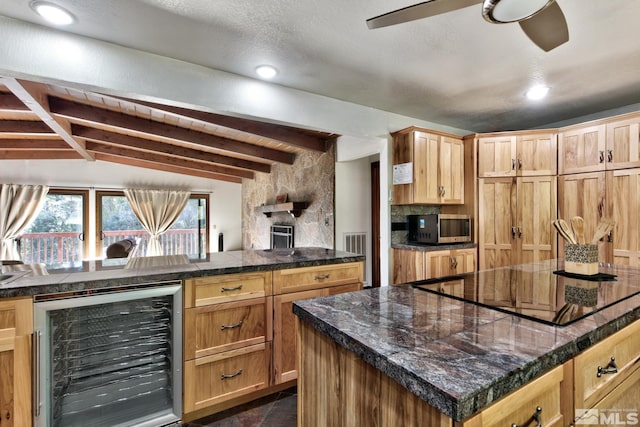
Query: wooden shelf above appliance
[[293, 208]]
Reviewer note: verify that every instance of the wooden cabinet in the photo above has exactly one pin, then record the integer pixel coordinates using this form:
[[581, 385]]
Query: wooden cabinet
[[450, 262], [623, 142], [623, 199], [16, 329], [596, 375], [531, 153], [227, 338], [539, 402], [414, 265], [315, 282], [437, 163], [514, 225], [239, 337], [581, 149]]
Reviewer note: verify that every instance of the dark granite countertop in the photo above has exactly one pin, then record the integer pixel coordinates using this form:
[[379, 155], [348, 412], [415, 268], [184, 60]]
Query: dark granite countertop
[[45, 279], [431, 248], [458, 356]]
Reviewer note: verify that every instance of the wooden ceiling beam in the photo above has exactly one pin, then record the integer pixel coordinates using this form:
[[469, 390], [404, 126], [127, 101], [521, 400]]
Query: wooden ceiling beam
[[284, 134], [10, 102], [80, 112], [166, 168], [33, 144], [65, 154], [33, 95], [165, 148], [166, 160], [25, 126]]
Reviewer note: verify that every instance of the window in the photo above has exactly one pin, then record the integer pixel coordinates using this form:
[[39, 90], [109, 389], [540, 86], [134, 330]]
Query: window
[[57, 235], [116, 221]]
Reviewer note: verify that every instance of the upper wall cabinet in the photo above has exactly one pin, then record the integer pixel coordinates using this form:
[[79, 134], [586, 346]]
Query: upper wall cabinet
[[623, 142], [581, 149], [528, 153], [428, 168]]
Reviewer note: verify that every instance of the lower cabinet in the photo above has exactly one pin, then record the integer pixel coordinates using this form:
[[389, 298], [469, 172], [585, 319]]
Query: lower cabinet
[[414, 265], [540, 402], [16, 328], [239, 339]]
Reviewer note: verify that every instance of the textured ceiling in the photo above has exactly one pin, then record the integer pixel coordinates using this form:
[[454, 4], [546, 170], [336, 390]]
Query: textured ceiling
[[454, 69]]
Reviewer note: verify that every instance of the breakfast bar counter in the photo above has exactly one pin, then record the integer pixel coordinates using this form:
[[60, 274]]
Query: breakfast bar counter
[[457, 357]]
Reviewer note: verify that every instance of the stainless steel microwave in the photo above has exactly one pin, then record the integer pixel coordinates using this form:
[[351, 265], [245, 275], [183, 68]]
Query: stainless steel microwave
[[439, 228]]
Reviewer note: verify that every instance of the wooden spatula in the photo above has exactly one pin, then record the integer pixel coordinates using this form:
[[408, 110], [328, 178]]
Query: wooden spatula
[[564, 230], [577, 224], [602, 230]]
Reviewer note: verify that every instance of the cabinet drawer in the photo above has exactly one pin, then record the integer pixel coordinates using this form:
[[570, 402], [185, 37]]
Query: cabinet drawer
[[221, 327], [214, 379], [624, 347], [307, 278], [519, 407], [230, 287]]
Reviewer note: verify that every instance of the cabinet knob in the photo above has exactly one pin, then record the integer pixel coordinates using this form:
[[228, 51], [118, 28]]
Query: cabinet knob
[[611, 368]]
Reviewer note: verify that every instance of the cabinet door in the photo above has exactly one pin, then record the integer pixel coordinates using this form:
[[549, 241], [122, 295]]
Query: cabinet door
[[520, 407], [623, 143], [497, 156], [465, 260], [16, 327], [426, 187], [403, 153], [408, 266], [620, 406], [583, 195], [536, 207], [496, 219], [451, 165], [450, 262], [581, 149], [537, 154], [284, 334], [623, 195]]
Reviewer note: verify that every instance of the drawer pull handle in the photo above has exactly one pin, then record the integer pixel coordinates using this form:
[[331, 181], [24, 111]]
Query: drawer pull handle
[[611, 368], [535, 417], [237, 288], [321, 276], [228, 376], [225, 327]]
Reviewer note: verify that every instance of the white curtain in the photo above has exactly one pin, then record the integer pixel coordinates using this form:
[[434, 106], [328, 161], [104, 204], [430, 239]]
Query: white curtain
[[156, 210], [19, 205]]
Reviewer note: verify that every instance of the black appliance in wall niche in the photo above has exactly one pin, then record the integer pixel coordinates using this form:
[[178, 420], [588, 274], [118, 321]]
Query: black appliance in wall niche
[[281, 236]]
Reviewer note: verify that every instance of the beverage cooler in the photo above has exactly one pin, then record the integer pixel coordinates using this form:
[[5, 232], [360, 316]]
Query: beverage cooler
[[109, 357]]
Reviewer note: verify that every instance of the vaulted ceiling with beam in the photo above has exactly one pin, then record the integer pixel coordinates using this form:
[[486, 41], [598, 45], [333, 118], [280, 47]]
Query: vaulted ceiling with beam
[[39, 121]]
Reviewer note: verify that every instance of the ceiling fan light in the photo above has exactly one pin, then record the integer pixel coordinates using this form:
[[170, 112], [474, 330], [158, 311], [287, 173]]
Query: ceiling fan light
[[266, 71], [504, 11], [537, 92]]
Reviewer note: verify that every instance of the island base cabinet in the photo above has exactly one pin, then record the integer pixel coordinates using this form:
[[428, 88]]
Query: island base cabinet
[[619, 407], [16, 327], [337, 388], [214, 379]]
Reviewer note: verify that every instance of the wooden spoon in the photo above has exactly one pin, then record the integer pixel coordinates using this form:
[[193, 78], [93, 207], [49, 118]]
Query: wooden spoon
[[564, 230], [577, 224]]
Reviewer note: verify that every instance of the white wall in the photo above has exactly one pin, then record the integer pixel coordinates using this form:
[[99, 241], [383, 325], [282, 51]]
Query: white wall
[[224, 197]]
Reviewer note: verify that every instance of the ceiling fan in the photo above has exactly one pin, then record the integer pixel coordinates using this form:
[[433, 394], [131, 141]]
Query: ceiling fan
[[541, 20]]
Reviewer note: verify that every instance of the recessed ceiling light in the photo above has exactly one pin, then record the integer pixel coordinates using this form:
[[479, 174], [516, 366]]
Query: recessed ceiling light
[[537, 92], [266, 71], [52, 13]]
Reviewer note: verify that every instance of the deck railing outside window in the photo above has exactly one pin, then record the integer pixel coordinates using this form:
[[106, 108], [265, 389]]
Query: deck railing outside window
[[53, 248]]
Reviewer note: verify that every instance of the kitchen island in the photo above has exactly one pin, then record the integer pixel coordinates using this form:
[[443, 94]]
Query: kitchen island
[[402, 356], [231, 310]]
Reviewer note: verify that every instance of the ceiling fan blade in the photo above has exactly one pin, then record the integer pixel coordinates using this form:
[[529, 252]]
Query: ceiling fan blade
[[418, 11], [547, 29]]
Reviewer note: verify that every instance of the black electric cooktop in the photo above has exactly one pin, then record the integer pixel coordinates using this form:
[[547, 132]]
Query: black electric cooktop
[[538, 293]]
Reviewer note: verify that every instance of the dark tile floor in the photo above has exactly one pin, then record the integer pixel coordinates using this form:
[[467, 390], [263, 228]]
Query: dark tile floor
[[276, 410]]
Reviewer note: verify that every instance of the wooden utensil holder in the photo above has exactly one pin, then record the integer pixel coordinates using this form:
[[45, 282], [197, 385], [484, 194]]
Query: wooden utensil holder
[[581, 259]]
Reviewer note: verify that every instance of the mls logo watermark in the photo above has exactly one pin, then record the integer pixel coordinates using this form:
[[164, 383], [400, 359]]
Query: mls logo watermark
[[610, 417]]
